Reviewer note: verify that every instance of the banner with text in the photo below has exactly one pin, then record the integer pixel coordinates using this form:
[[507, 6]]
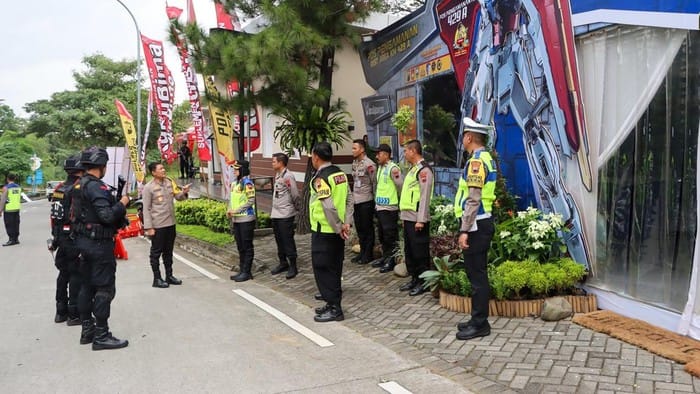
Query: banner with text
[[130, 135], [223, 132], [163, 91]]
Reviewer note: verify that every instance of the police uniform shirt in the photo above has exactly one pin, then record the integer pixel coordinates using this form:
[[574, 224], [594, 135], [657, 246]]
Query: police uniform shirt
[[245, 185], [364, 177], [393, 172], [329, 209], [285, 197], [159, 204], [425, 183], [5, 196]]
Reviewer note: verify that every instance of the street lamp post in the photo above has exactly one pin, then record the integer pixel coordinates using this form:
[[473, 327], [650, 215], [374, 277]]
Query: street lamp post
[[138, 83]]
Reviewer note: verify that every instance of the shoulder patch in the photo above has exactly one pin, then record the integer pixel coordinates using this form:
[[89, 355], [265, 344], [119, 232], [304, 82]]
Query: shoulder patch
[[423, 176], [322, 188], [477, 174], [340, 179]]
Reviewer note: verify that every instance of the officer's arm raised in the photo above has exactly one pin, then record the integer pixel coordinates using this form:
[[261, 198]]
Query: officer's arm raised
[[107, 213]]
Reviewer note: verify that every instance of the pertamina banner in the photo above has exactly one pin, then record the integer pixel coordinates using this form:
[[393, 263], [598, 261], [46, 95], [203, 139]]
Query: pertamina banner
[[192, 89], [130, 136], [163, 90]]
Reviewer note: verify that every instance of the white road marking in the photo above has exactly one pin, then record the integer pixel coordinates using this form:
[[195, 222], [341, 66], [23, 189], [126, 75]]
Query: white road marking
[[291, 323], [189, 263], [196, 267], [393, 388]]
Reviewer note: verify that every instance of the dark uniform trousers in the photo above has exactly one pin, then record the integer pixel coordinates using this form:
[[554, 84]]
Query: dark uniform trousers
[[475, 260], [284, 237], [388, 231], [327, 254], [98, 268], [243, 234], [69, 279], [416, 248], [162, 244], [11, 224], [364, 221]]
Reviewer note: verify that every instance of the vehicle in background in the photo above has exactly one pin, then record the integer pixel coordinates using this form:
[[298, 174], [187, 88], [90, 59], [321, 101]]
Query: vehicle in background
[[50, 187]]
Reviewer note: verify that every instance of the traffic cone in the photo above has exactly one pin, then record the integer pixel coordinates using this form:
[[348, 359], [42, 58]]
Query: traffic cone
[[119, 249]]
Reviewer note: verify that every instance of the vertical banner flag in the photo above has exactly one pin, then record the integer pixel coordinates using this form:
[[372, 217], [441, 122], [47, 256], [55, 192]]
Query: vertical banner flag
[[192, 89], [147, 132], [163, 89], [226, 20], [234, 89], [223, 132], [130, 136]]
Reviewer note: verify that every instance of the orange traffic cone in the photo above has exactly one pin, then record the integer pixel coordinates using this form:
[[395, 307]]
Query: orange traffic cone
[[119, 249]]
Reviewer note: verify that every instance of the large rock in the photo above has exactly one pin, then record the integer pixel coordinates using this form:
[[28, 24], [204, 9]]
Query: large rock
[[556, 308], [400, 270]]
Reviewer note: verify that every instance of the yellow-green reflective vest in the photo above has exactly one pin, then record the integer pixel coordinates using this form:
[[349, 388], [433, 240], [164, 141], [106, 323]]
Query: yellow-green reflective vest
[[410, 192], [387, 194], [14, 198], [330, 182], [484, 177], [241, 191]]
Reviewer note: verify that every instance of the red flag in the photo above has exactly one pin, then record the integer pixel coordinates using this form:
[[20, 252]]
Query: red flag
[[191, 17], [254, 129], [226, 20], [163, 89], [192, 89]]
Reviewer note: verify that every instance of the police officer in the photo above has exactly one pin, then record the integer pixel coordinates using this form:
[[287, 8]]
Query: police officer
[[389, 183], [364, 180], [285, 200], [473, 203], [159, 222], [242, 210], [330, 215], [10, 204], [97, 216], [416, 193], [67, 260]]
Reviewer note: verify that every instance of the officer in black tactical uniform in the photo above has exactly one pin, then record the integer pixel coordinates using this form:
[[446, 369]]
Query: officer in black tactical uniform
[[97, 216], [67, 261]]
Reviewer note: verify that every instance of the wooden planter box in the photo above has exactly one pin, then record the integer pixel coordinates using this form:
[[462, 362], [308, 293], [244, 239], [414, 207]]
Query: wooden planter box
[[524, 308]]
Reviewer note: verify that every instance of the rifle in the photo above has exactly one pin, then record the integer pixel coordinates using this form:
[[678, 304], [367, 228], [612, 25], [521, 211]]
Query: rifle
[[121, 185]]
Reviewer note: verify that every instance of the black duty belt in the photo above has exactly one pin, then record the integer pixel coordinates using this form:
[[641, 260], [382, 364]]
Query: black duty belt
[[94, 230]]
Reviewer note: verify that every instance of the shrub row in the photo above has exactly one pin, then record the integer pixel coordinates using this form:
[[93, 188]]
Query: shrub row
[[211, 214]]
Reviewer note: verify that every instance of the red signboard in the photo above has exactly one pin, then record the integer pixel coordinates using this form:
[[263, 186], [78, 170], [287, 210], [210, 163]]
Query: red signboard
[[456, 19]]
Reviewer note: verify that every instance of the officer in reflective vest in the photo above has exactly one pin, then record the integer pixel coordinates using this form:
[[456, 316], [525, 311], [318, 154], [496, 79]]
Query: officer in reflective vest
[[416, 193], [10, 204], [475, 198], [330, 215], [389, 183], [242, 211], [67, 259]]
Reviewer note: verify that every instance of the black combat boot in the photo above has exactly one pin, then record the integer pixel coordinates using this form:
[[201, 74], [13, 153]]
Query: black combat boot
[[388, 266], [60, 317], [105, 340], [292, 272], [331, 313], [242, 277], [170, 278], [160, 283], [88, 332], [281, 267], [73, 316]]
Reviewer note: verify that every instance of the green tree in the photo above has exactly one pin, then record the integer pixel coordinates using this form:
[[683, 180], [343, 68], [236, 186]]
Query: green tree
[[8, 120], [404, 6], [15, 152], [87, 116], [291, 62]]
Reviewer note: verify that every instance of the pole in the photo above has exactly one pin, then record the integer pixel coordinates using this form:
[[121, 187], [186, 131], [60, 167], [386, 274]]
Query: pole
[[138, 82]]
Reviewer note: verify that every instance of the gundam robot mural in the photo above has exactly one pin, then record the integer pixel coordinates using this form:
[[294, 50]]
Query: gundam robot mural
[[523, 63]]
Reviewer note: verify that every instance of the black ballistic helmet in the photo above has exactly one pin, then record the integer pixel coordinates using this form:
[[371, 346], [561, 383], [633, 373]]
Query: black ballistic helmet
[[94, 157], [72, 163]]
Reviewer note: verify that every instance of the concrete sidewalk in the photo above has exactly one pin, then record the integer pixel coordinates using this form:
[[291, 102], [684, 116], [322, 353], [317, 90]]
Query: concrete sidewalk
[[521, 355]]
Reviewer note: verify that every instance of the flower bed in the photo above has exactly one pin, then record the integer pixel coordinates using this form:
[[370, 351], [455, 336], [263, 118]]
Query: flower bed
[[515, 308]]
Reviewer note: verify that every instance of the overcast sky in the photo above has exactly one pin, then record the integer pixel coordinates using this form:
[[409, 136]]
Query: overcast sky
[[45, 41]]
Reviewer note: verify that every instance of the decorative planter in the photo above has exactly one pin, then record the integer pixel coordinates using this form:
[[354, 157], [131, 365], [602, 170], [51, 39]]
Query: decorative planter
[[521, 308]]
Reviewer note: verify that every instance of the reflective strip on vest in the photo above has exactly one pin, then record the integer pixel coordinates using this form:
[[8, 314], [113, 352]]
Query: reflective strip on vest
[[387, 194], [239, 197], [338, 183], [14, 199], [488, 192]]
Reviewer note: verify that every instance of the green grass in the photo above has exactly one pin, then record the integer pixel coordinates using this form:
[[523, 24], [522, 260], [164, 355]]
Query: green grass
[[202, 233]]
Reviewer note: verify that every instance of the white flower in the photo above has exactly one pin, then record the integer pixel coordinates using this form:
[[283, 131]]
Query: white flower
[[504, 234], [537, 245], [442, 229]]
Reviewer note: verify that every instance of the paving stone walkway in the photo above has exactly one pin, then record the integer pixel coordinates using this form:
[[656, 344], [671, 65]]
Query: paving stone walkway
[[521, 355]]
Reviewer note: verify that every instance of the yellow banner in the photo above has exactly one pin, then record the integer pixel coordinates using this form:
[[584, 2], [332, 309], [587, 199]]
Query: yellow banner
[[130, 136], [221, 122]]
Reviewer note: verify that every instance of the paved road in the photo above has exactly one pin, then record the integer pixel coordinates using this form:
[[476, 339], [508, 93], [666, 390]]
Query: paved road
[[199, 337]]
